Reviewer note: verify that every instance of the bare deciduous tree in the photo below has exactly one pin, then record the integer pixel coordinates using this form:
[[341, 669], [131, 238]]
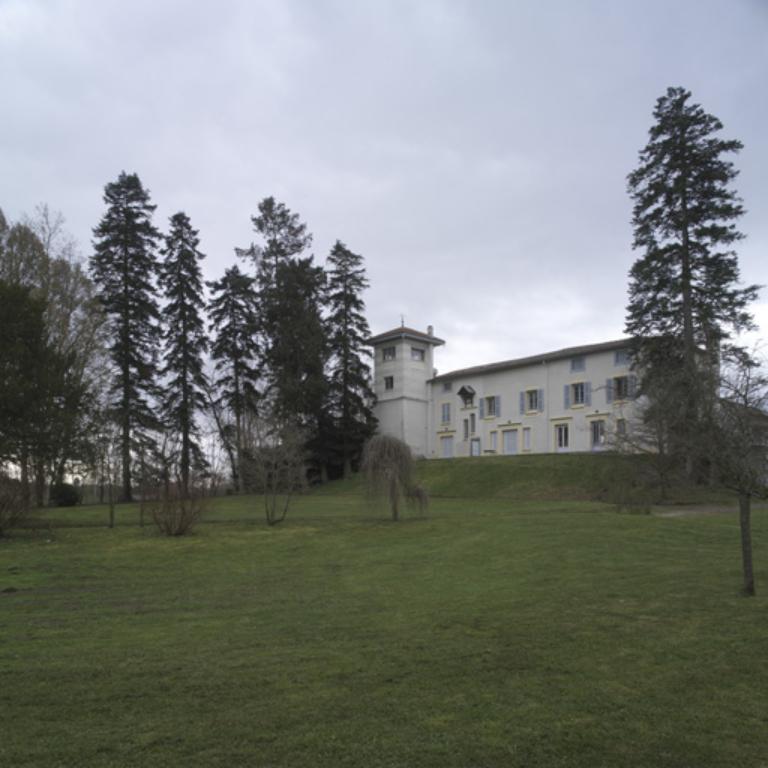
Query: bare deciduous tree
[[741, 444], [276, 465]]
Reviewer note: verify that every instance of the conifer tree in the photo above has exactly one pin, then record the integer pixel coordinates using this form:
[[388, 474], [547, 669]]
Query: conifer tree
[[351, 396], [291, 329], [684, 292], [234, 348], [124, 267], [185, 341]]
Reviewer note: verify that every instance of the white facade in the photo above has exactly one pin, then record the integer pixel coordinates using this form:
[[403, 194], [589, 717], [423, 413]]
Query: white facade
[[575, 399], [403, 369]]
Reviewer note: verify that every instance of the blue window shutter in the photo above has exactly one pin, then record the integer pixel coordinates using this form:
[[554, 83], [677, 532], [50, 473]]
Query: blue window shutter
[[522, 403], [587, 393], [482, 407], [632, 387], [541, 399], [609, 391], [567, 396], [498, 406]]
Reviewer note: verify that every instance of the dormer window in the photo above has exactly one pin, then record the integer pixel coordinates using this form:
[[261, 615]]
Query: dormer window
[[388, 353], [467, 395]]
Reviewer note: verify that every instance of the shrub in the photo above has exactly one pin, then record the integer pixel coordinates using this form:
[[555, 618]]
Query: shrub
[[174, 514], [65, 495], [12, 506]]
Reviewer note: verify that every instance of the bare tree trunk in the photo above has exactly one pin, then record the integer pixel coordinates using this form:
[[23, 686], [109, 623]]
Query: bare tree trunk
[[24, 461], [111, 504], [39, 483], [143, 489], [745, 512], [394, 499]]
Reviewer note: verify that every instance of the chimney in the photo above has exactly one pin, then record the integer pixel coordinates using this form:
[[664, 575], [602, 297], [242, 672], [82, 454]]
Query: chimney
[[430, 331]]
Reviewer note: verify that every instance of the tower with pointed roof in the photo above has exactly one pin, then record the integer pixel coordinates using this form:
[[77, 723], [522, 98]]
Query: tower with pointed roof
[[403, 367]]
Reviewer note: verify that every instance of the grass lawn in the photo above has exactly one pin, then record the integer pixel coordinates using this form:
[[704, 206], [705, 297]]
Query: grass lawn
[[488, 633]]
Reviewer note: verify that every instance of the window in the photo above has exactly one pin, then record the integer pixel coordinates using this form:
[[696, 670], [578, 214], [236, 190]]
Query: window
[[526, 438], [621, 357], [445, 413], [389, 382], [509, 437], [472, 423], [620, 388], [491, 406], [494, 441], [597, 429], [621, 427], [532, 398], [388, 353], [561, 437], [577, 394], [578, 364], [447, 386], [417, 354], [466, 429]]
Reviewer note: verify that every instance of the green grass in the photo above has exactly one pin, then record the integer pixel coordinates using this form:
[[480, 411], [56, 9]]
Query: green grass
[[528, 477], [488, 633]]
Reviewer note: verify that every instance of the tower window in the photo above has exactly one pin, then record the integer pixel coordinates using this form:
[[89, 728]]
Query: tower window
[[417, 354], [388, 353], [389, 382]]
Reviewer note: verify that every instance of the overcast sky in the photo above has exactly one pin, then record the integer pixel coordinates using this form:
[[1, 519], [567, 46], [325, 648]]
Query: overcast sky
[[474, 152]]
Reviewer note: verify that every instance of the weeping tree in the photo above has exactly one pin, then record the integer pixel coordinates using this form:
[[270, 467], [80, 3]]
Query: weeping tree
[[388, 469]]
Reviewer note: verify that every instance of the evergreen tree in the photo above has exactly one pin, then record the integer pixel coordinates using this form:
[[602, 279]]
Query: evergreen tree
[[234, 348], [35, 386], [185, 341], [124, 268], [291, 329], [684, 292], [351, 396], [297, 356]]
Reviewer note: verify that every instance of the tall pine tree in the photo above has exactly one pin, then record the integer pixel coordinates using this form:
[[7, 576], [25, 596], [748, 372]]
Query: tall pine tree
[[124, 267], [235, 351], [185, 342], [291, 330], [684, 293], [350, 396]]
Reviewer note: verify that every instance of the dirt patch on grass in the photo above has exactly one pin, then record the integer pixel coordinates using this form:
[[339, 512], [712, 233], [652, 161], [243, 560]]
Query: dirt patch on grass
[[694, 510]]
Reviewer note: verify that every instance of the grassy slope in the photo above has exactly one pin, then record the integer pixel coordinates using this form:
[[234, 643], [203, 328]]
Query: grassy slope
[[489, 633], [536, 477]]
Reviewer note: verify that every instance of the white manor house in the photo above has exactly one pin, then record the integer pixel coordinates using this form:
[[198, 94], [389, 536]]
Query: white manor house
[[574, 399]]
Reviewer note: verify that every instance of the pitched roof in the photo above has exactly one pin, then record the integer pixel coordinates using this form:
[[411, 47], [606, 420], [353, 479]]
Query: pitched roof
[[547, 357], [402, 332]]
